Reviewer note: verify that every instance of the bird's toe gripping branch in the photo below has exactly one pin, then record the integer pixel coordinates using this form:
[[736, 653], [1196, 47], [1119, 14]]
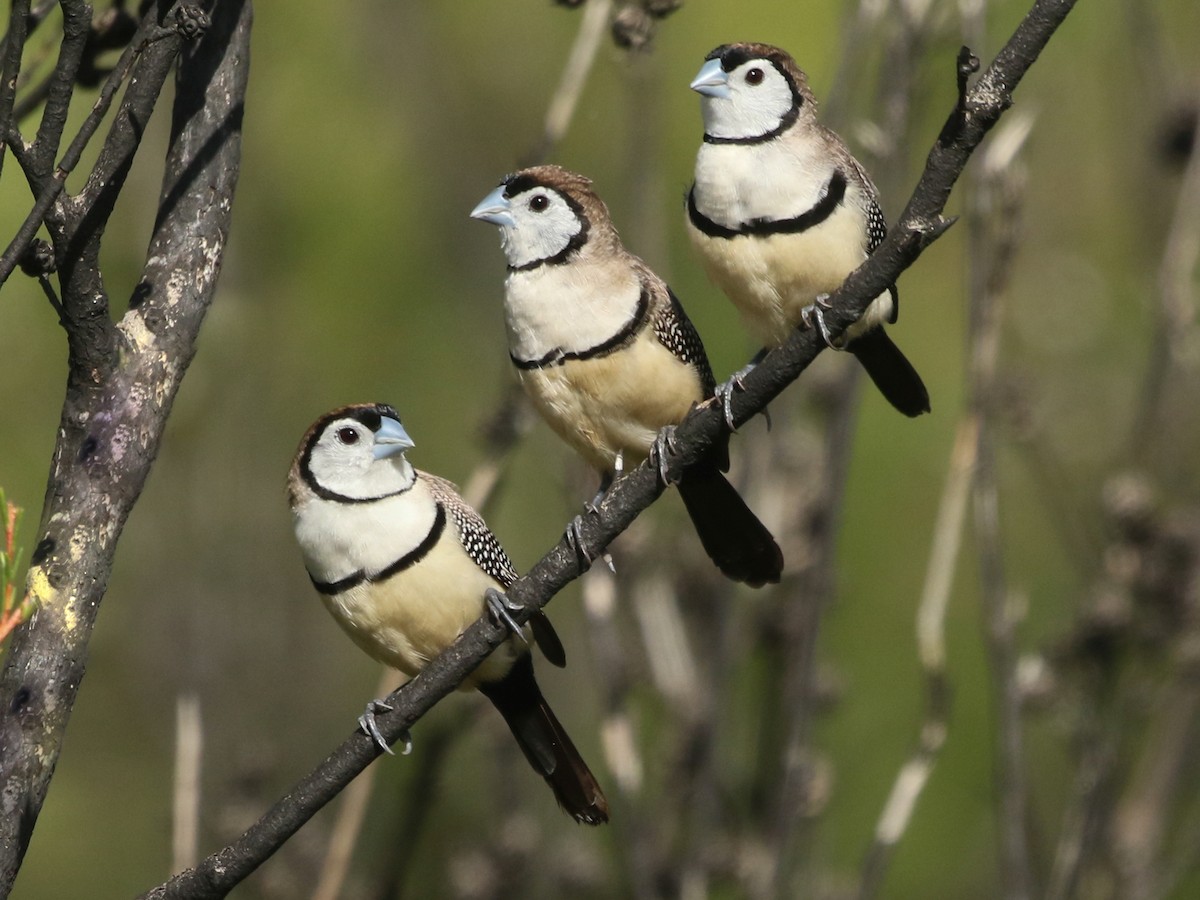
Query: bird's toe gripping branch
[[502, 609], [370, 728], [593, 505], [726, 389], [724, 394], [575, 539], [574, 535], [736, 384], [661, 451], [815, 312]]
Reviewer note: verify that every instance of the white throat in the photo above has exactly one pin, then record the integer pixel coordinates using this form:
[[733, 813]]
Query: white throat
[[531, 240], [363, 478], [568, 308]]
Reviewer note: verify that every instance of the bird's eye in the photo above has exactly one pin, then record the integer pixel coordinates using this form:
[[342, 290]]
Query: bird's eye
[[347, 436], [539, 202], [754, 76]]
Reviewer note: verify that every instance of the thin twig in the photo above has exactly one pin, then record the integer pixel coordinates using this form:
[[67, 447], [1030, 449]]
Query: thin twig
[[810, 592], [574, 77], [10, 68], [1144, 812], [60, 87], [419, 803], [352, 809], [931, 651], [1078, 832], [992, 220], [1174, 345], [816, 588], [53, 187], [638, 840]]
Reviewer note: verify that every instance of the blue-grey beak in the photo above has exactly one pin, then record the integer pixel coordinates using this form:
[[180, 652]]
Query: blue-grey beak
[[391, 438], [711, 80], [494, 208]]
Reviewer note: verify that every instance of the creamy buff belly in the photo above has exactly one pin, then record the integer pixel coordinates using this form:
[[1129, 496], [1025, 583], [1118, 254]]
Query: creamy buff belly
[[413, 616], [614, 403], [771, 278]]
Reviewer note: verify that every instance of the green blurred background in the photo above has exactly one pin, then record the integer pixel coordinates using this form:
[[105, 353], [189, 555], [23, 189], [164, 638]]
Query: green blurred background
[[354, 274]]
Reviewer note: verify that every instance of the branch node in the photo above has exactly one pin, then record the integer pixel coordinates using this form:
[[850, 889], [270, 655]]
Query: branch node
[[932, 231], [966, 65], [191, 21], [925, 230], [38, 259]]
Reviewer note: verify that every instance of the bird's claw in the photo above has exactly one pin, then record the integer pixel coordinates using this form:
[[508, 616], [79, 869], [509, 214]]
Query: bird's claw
[[501, 609], [370, 728], [724, 394], [815, 312], [575, 540], [606, 480], [661, 451]]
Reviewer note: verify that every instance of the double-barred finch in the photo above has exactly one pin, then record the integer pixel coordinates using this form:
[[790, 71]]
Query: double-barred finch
[[608, 356], [781, 212], [405, 566]]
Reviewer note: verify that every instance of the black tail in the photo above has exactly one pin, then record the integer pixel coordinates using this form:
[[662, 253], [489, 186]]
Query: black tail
[[732, 536], [545, 743], [892, 373]]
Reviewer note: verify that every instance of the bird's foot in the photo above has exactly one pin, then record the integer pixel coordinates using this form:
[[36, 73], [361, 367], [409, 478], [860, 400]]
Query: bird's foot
[[593, 505], [724, 392], [815, 312], [575, 541], [370, 728], [661, 451], [501, 609]]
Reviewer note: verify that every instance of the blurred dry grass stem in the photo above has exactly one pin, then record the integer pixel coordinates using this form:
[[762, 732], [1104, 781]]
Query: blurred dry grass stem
[[565, 100], [185, 805], [993, 221]]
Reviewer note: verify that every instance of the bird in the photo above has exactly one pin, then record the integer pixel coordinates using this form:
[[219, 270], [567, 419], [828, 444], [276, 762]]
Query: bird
[[404, 565], [608, 356], [780, 212]]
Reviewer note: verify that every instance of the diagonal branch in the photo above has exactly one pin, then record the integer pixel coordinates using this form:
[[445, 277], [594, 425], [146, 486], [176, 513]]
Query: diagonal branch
[[10, 66], [77, 21], [921, 224]]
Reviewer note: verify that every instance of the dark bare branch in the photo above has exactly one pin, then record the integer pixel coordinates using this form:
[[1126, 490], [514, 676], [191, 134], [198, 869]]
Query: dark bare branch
[[77, 21], [10, 67], [112, 422]]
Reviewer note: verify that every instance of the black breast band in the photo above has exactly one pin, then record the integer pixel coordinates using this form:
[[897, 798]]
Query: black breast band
[[558, 356], [835, 192], [409, 559]]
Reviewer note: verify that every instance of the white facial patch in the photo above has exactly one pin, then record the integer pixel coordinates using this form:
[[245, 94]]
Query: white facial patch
[[343, 461], [759, 99], [543, 226]]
